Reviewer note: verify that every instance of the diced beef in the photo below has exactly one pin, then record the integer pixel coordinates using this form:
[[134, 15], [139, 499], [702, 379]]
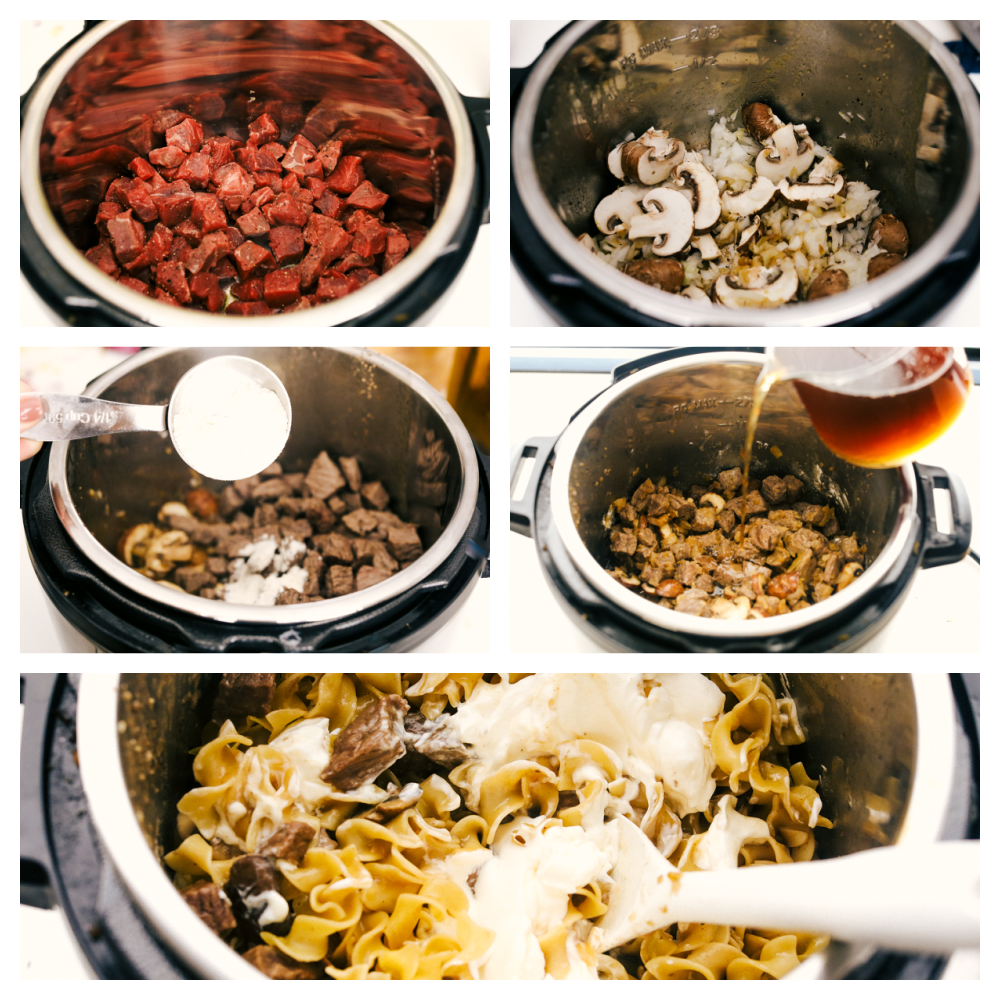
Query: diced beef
[[196, 169], [168, 156], [128, 236], [369, 239], [692, 602], [211, 905], [287, 244], [335, 286], [765, 534], [755, 504], [785, 519], [209, 252], [207, 213], [205, 287], [375, 494], [139, 200], [263, 130], [277, 965], [348, 175], [241, 695], [368, 576], [186, 135], [289, 842], [434, 739], [404, 543], [360, 521], [352, 470], [774, 489], [623, 541], [281, 288], [340, 581], [337, 549], [369, 745], [170, 277], [731, 479], [102, 257], [366, 195], [806, 540], [324, 477], [849, 546], [794, 488], [286, 211], [704, 520], [252, 260], [253, 223], [174, 202], [252, 881], [328, 154]]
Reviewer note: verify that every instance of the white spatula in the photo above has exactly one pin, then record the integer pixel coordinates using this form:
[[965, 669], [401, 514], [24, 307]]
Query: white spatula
[[908, 898]]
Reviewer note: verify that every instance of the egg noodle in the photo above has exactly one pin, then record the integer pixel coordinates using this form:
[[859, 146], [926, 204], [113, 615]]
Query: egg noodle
[[501, 869]]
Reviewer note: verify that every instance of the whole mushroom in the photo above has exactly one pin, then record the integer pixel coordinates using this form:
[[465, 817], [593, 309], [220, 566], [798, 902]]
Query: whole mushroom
[[881, 263], [666, 274], [832, 281], [890, 234], [760, 121]]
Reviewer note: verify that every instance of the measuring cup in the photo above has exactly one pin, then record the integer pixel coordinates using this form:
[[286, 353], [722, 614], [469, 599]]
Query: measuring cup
[[874, 406], [69, 418]]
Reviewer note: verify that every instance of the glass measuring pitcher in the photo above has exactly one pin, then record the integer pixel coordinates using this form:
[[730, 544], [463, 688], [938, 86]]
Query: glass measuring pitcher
[[874, 406]]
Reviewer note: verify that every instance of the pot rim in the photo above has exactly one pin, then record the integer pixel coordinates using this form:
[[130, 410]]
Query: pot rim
[[676, 310], [667, 618], [331, 609], [114, 819], [438, 242]]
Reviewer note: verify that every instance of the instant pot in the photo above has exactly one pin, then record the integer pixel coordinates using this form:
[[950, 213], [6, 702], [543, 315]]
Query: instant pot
[[683, 414], [886, 98], [105, 758], [245, 62], [78, 497]]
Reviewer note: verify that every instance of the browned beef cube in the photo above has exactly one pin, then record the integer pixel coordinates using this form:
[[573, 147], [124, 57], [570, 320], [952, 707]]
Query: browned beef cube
[[681, 549], [337, 505], [779, 558], [378, 554], [250, 878], [640, 499], [318, 514], [368, 576], [785, 518], [218, 565], [806, 540], [241, 695], [291, 527], [270, 489], [313, 565], [659, 504], [265, 515], [682, 507], [756, 504], [647, 537], [832, 526], [337, 549], [289, 842], [324, 477], [353, 500], [692, 602], [812, 514], [369, 745], [726, 520], [193, 578], [774, 489], [277, 965], [731, 479], [211, 904], [245, 486], [687, 572], [704, 582], [623, 541], [352, 470], [289, 596], [231, 545], [376, 495], [849, 546], [728, 574], [704, 520], [651, 574], [404, 543], [241, 521], [360, 521], [794, 488], [834, 564], [765, 534], [664, 561], [339, 581]]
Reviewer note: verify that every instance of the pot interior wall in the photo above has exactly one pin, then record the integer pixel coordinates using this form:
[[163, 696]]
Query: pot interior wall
[[689, 424], [343, 403], [312, 77], [685, 75], [862, 741]]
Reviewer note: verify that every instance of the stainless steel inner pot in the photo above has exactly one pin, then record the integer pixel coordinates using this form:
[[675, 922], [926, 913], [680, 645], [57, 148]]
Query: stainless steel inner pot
[[881, 745], [686, 419], [349, 400], [913, 135], [264, 71]]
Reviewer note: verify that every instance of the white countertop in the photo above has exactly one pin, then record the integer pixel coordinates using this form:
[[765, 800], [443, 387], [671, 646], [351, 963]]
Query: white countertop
[[526, 41], [460, 48], [939, 615]]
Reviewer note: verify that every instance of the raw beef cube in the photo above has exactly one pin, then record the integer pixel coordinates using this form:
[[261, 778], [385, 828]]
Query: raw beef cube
[[170, 277], [249, 291], [196, 169], [314, 185], [186, 134], [281, 288], [298, 305], [224, 269], [189, 231], [233, 185], [162, 120], [269, 180], [329, 204], [267, 164], [128, 235], [274, 149], [286, 244], [101, 257], [135, 284], [263, 130], [300, 150], [289, 183], [353, 260], [140, 201], [329, 153], [161, 295], [167, 156], [207, 213], [158, 245], [107, 210], [363, 275], [236, 238], [336, 286], [312, 168], [305, 198], [366, 195], [141, 168], [205, 287], [253, 223], [209, 252], [318, 227], [173, 202], [348, 175], [251, 260], [248, 309], [220, 151], [260, 197], [247, 157], [286, 211], [390, 260], [369, 239], [396, 241]]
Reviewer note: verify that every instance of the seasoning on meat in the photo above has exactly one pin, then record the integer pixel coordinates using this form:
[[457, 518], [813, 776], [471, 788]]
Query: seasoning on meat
[[696, 561], [289, 842], [370, 744], [211, 904], [277, 965], [241, 695]]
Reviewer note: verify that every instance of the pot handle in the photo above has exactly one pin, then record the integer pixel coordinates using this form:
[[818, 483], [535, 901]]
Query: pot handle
[[942, 548], [37, 692], [478, 110], [522, 511], [629, 368]]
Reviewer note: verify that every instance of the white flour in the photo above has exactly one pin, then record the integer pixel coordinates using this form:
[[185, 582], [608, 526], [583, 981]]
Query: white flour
[[247, 586], [227, 426]]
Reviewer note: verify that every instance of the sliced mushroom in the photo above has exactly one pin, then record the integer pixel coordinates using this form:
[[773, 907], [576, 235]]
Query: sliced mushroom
[[811, 191], [760, 288], [648, 159], [173, 509], [760, 192], [614, 213], [760, 121], [749, 233], [670, 219], [787, 153], [890, 234], [587, 242], [666, 274], [712, 500], [832, 281], [881, 263], [825, 170], [734, 610], [848, 575], [694, 293], [705, 193], [133, 543], [706, 246], [164, 551]]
